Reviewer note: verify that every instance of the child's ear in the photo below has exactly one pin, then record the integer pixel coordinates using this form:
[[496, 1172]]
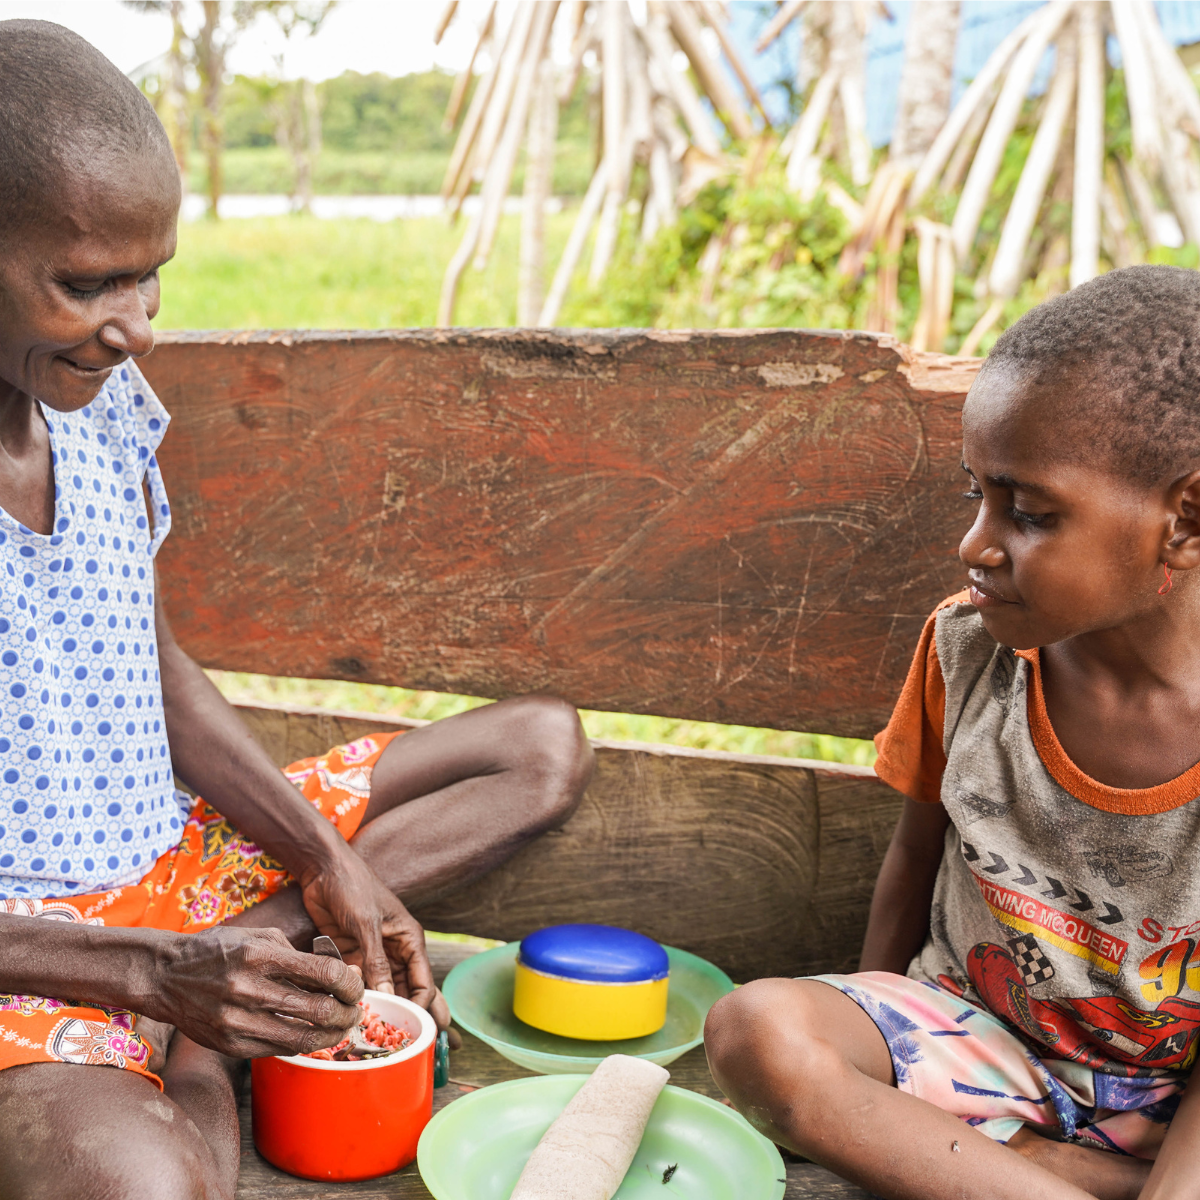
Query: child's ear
[[1183, 537]]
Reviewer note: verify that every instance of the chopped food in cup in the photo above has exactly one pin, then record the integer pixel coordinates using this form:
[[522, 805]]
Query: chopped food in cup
[[375, 1031]]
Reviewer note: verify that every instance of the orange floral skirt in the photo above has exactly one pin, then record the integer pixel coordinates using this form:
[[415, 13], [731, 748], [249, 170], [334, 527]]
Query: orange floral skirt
[[213, 874]]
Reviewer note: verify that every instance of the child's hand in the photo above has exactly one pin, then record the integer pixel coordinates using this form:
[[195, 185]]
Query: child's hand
[[248, 993], [374, 931]]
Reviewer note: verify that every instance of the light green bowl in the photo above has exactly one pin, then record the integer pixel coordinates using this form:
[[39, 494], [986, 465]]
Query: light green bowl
[[475, 1148], [480, 994]]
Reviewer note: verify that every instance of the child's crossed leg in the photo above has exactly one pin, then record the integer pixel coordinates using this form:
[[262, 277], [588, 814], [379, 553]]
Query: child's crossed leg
[[813, 1072]]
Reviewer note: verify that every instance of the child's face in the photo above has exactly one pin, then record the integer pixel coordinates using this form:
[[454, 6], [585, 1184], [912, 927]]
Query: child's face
[[79, 284], [1061, 545]]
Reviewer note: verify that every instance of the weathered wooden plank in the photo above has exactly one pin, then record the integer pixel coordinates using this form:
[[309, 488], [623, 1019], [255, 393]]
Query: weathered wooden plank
[[743, 526], [807, 1181], [290, 732], [762, 865], [445, 955], [857, 815]]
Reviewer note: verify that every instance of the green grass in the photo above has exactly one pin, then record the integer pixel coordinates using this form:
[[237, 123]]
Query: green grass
[[267, 169], [622, 727], [300, 272], [261, 170]]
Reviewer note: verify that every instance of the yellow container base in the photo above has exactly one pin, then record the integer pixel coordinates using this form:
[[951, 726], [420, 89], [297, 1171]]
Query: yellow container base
[[595, 1012]]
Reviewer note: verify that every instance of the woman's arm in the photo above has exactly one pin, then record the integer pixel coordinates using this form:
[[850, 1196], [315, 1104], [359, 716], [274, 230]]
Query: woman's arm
[[899, 920], [242, 992], [213, 753]]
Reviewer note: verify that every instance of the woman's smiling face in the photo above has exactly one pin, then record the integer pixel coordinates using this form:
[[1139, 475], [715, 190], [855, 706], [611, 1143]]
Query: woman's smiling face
[[1061, 544], [79, 283]]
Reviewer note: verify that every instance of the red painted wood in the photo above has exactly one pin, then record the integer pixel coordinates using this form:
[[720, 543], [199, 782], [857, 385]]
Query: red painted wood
[[745, 527]]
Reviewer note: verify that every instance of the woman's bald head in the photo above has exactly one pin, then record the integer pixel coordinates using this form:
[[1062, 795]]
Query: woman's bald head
[[70, 121]]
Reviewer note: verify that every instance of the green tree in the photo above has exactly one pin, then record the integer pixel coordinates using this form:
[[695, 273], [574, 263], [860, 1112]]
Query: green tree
[[378, 112], [204, 52]]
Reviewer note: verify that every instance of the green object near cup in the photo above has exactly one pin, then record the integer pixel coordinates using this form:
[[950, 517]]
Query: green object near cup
[[475, 1148], [441, 1060], [479, 991]]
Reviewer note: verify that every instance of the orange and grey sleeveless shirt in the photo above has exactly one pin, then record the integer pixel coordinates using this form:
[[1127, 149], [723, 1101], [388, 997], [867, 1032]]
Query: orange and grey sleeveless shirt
[[1068, 908]]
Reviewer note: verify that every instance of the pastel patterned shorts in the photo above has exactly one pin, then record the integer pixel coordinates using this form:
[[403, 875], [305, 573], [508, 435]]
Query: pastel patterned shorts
[[213, 874], [968, 1062]]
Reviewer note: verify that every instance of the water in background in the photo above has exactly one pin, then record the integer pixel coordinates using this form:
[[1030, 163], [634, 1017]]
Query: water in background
[[375, 208]]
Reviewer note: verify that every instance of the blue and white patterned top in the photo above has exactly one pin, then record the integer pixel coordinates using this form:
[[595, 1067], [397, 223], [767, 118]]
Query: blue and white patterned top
[[87, 796]]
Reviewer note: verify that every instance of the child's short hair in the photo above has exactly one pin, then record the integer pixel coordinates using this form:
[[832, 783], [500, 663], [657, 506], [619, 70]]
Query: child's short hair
[[62, 103], [1128, 343]]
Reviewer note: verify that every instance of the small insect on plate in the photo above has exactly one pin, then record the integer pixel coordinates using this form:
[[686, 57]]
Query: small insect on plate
[[594, 982]]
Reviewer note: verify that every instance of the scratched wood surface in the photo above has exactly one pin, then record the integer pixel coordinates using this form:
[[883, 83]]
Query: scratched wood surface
[[475, 1066], [744, 526], [761, 865]]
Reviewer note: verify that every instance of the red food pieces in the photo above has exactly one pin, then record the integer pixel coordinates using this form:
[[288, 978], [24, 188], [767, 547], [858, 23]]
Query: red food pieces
[[380, 1033], [327, 1055], [375, 1030]]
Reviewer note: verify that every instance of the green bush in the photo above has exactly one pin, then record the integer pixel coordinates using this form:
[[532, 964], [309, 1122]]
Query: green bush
[[780, 266], [779, 269]]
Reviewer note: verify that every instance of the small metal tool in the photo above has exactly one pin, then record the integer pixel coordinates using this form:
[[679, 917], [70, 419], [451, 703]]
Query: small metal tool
[[326, 948]]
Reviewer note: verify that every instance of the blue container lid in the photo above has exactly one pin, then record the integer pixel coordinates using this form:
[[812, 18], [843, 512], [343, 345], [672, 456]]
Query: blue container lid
[[597, 953]]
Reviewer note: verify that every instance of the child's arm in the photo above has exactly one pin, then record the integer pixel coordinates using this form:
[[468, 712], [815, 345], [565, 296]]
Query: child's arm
[[899, 920]]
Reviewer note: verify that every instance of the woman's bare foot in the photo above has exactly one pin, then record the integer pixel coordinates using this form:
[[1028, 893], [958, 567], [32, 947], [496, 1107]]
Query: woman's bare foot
[[1107, 1176]]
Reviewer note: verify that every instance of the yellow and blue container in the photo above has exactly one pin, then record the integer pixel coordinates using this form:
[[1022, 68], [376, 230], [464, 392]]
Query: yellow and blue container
[[594, 982]]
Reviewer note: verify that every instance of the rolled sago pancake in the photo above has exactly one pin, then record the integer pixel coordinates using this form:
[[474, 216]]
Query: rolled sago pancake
[[584, 1155]]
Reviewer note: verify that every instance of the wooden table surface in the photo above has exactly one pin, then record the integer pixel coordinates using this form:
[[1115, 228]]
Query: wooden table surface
[[474, 1066]]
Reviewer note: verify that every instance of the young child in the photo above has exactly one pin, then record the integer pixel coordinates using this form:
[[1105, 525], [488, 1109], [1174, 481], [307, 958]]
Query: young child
[[176, 911], [1030, 978]]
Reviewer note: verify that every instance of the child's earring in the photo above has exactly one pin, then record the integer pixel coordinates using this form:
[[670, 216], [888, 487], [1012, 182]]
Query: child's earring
[[1166, 587]]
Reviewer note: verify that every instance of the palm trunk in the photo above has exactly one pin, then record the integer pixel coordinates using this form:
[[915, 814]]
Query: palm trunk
[[539, 172], [178, 126], [211, 67], [312, 141], [926, 78]]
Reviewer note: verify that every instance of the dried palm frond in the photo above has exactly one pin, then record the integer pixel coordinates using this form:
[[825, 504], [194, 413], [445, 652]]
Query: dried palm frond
[[652, 115]]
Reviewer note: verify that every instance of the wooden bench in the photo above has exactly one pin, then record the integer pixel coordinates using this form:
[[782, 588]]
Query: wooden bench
[[745, 527]]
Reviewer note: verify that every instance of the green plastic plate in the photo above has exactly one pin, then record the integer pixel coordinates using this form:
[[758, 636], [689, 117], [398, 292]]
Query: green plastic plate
[[480, 994], [475, 1148]]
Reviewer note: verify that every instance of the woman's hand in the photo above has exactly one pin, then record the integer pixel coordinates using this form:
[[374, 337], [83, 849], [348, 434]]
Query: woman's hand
[[374, 931], [247, 993], [213, 752]]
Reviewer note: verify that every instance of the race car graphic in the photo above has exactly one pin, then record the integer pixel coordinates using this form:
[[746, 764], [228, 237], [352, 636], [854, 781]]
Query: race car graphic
[[1094, 1030]]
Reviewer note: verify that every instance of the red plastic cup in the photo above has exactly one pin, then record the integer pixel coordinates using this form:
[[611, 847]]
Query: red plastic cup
[[347, 1120]]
